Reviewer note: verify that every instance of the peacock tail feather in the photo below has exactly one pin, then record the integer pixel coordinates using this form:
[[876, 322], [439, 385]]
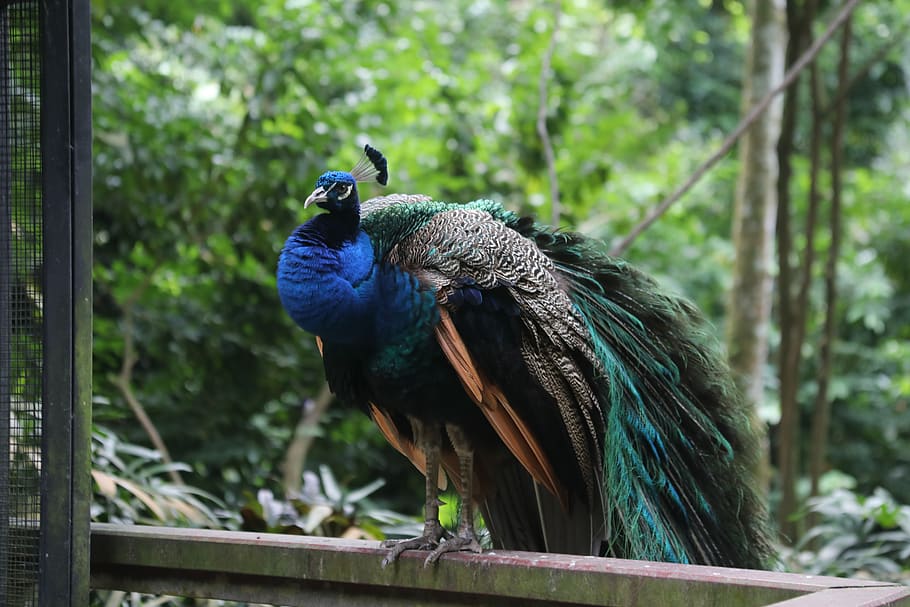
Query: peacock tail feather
[[672, 435]]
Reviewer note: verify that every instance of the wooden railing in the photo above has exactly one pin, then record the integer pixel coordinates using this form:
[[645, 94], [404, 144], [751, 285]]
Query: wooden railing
[[294, 570]]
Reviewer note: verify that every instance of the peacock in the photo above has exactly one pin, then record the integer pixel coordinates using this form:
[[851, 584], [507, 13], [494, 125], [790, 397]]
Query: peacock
[[581, 408]]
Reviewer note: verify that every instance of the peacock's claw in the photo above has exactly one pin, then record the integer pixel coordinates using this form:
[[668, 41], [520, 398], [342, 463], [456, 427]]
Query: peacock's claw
[[454, 544], [433, 534]]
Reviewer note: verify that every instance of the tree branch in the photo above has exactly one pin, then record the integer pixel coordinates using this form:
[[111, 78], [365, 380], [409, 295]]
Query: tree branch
[[124, 379], [789, 78], [542, 117], [867, 65], [295, 454]]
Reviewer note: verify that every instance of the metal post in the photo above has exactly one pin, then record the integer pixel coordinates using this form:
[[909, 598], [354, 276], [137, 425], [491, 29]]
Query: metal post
[[66, 180]]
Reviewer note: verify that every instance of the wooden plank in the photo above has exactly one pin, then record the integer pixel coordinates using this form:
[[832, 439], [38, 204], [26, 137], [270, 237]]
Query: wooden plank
[[295, 570], [887, 596]]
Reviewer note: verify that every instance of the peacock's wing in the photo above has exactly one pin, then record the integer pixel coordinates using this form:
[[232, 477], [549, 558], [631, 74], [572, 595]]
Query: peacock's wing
[[511, 332], [380, 203], [590, 374]]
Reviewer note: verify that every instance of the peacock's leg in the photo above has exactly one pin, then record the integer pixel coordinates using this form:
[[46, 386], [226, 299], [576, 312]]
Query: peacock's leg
[[465, 538], [430, 441]]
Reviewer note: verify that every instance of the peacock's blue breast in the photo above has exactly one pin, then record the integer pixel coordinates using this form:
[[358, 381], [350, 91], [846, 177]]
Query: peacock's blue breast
[[356, 260], [343, 294]]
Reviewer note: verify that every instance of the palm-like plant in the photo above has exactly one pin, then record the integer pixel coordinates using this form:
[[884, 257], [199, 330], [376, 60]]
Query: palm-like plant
[[131, 485], [857, 536]]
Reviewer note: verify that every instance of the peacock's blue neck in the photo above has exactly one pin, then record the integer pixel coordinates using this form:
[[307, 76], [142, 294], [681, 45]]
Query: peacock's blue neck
[[332, 286]]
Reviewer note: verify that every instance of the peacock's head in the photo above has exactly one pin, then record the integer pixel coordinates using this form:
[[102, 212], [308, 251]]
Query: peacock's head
[[337, 190]]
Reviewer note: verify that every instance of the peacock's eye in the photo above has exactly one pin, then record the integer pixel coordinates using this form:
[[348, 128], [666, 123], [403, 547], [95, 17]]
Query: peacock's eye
[[344, 190]]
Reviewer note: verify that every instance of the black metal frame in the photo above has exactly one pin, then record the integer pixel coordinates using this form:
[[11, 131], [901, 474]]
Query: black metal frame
[[61, 543], [66, 178]]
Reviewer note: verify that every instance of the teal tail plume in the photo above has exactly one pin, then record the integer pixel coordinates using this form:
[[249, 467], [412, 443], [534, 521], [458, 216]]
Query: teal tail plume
[[678, 446]]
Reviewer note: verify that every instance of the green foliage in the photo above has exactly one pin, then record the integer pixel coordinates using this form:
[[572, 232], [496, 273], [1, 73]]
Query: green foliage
[[212, 121], [189, 222], [869, 390], [857, 536], [208, 135], [130, 487], [325, 508]]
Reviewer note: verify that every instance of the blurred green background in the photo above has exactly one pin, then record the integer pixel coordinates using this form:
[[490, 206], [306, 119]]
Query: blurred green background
[[212, 120]]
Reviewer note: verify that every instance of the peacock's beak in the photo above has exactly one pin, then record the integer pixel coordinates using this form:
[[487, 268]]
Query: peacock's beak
[[318, 195]]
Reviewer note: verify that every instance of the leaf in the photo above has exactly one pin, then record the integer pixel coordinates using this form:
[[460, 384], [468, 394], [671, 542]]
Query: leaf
[[192, 514], [373, 532], [356, 533], [358, 494], [106, 483], [143, 497], [329, 484], [316, 516]]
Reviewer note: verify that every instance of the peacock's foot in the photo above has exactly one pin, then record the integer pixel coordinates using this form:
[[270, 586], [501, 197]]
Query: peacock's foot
[[454, 544], [433, 533]]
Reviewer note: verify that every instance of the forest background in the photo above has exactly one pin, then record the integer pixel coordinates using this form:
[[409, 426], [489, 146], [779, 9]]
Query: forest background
[[212, 120]]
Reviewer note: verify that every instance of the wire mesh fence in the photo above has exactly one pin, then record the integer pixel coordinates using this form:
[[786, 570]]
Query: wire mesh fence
[[21, 301]]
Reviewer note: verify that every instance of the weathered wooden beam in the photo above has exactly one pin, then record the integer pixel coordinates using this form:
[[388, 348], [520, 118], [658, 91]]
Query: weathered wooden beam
[[295, 570]]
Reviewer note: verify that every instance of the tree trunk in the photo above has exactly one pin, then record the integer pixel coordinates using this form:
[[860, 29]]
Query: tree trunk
[[794, 309], [755, 210], [821, 414], [788, 427]]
